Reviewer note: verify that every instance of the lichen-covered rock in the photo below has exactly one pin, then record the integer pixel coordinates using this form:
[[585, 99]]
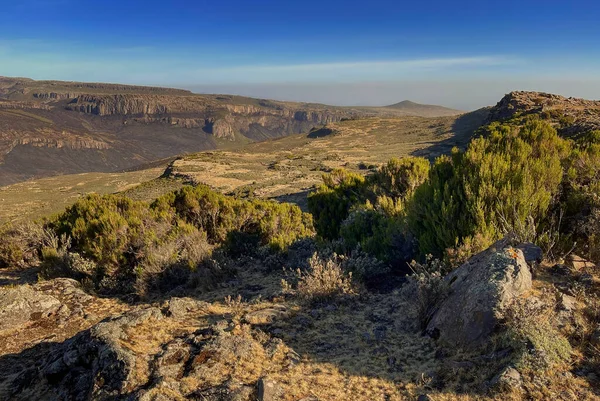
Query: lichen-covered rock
[[478, 292], [508, 379], [95, 364], [180, 307], [23, 304]]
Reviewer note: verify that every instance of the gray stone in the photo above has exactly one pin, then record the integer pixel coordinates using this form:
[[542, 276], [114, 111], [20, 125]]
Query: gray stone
[[567, 303], [478, 292], [268, 390], [22, 305], [508, 379], [578, 263], [424, 397], [180, 307]]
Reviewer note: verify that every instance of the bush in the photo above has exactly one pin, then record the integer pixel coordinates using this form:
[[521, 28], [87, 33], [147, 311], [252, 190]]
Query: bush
[[276, 224], [324, 279], [426, 288], [330, 203], [143, 248], [20, 244], [499, 183], [379, 234], [399, 178], [581, 197], [531, 333]]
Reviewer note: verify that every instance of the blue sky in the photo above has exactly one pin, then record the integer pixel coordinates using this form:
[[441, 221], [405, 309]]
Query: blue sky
[[464, 54]]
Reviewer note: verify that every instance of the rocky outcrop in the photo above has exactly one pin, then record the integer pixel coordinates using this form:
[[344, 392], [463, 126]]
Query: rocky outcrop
[[105, 105], [571, 116], [54, 95], [71, 143], [124, 358], [23, 105], [22, 305], [478, 293]]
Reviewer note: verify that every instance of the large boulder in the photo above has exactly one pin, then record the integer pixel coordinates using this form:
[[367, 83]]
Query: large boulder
[[478, 293], [23, 304]]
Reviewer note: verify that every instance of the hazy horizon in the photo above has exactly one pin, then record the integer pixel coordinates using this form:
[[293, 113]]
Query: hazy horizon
[[463, 55]]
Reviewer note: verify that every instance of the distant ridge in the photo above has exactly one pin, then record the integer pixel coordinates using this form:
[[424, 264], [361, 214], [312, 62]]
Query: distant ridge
[[423, 109]]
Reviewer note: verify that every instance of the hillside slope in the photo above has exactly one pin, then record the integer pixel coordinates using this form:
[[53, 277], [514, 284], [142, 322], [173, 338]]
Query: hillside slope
[[71, 127]]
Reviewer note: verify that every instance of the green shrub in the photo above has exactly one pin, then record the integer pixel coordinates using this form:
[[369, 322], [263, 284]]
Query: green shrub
[[502, 180], [580, 200], [399, 178], [380, 234], [276, 224], [438, 214], [342, 191], [144, 248], [330, 203]]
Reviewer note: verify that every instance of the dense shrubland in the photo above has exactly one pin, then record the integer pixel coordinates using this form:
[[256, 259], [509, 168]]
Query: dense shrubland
[[518, 177], [118, 245]]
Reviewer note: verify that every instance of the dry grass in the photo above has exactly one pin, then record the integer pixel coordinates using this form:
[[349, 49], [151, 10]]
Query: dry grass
[[43, 197]]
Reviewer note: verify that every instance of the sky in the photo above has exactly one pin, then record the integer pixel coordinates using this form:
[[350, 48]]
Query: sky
[[461, 54]]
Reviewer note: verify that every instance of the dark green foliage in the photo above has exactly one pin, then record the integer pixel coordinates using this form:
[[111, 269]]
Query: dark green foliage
[[512, 175], [331, 202], [341, 190], [379, 234], [437, 214], [399, 178], [276, 224], [581, 196], [134, 246]]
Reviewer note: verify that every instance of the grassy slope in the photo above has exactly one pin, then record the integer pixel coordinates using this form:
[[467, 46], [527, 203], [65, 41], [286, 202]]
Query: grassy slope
[[284, 168]]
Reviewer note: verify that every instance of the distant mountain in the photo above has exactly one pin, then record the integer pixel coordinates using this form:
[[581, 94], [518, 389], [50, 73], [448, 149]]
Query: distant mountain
[[424, 110]]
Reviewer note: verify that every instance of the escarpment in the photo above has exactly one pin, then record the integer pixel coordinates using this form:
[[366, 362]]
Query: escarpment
[[81, 127]]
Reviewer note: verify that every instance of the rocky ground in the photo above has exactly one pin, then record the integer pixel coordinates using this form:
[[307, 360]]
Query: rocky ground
[[249, 340]]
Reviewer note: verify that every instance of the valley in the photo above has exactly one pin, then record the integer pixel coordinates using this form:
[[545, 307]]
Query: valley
[[71, 127]]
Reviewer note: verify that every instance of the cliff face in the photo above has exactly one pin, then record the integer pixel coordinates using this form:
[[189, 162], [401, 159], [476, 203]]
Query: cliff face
[[223, 120], [571, 116], [70, 127]]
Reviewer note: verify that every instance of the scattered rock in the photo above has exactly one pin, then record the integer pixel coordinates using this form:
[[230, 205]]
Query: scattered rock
[[23, 304], [508, 379], [268, 390], [180, 307], [567, 303], [578, 263], [478, 292], [266, 316], [95, 364]]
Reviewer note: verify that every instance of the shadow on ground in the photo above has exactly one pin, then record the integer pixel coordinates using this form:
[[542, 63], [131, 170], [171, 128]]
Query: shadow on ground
[[463, 130]]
